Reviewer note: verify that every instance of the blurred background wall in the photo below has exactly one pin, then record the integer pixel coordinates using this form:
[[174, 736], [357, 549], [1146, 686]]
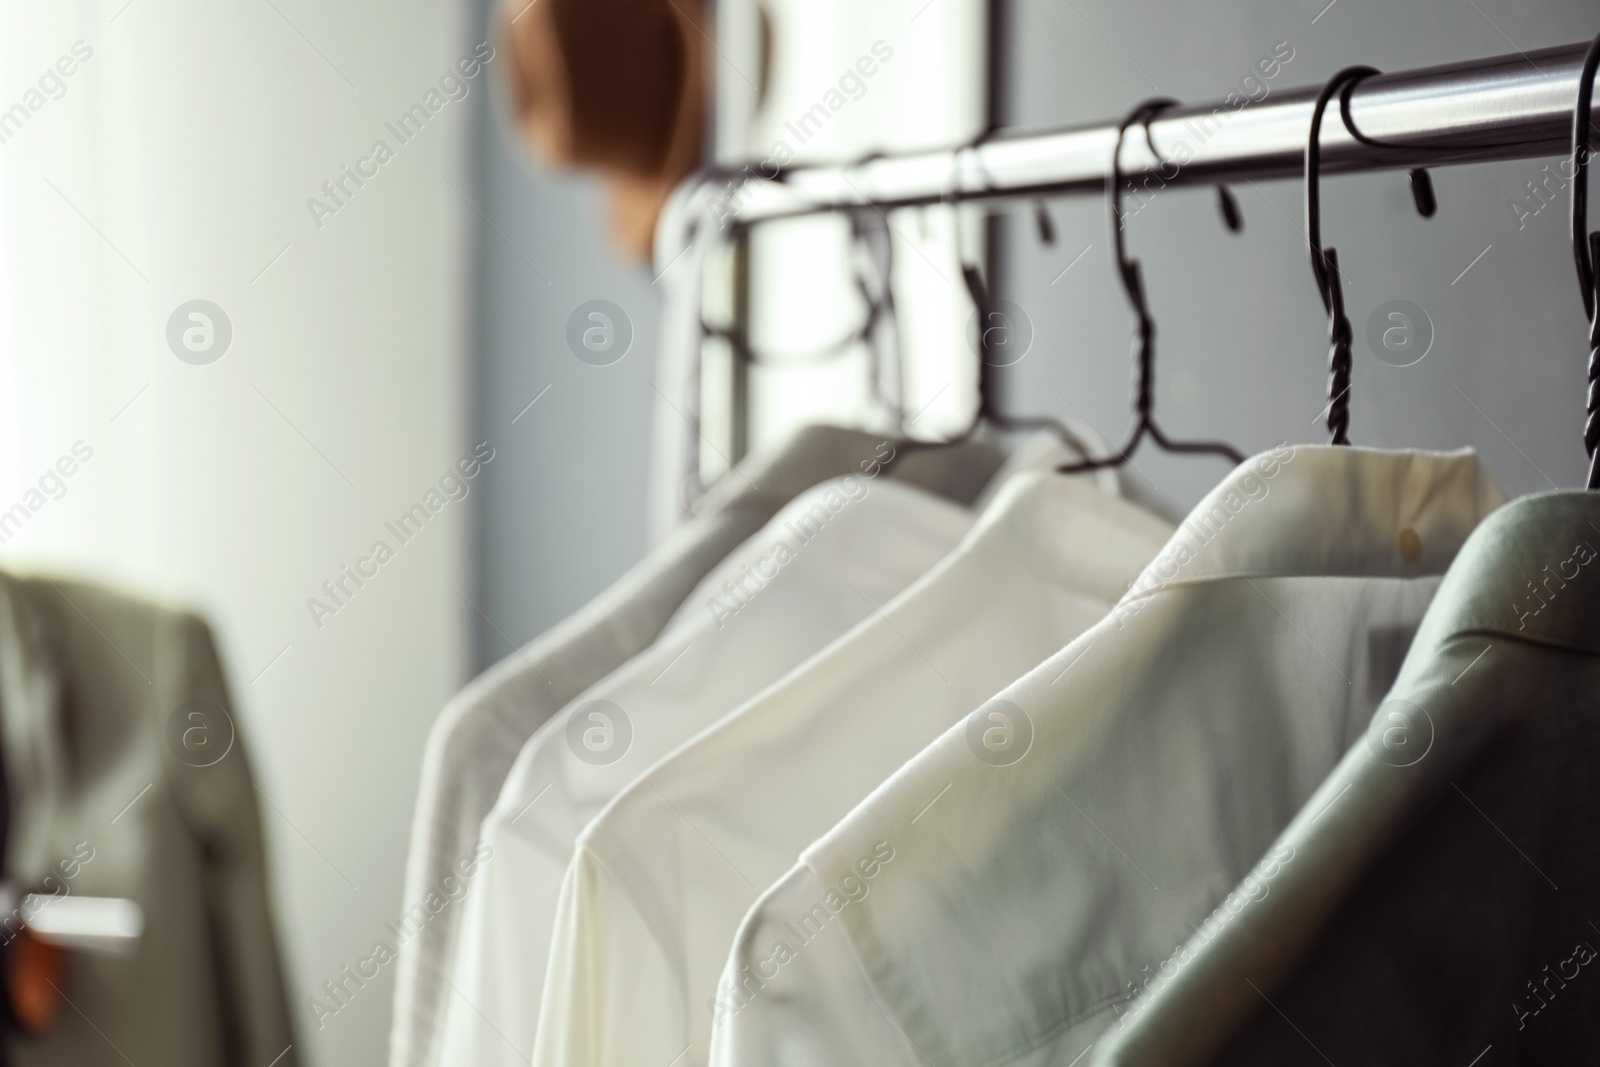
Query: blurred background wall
[[373, 346], [176, 165], [563, 509]]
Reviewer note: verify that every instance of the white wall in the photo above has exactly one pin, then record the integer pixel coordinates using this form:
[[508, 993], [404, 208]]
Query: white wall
[[177, 165]]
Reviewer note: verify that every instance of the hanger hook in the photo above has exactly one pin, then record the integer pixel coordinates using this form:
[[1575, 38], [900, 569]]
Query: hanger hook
[[1580, 186], [1325, 263], [972, 277], [1421, 184], [985, 310], [1585, 252], [1128, 270], [872, 242], [1228, 207], [1132, 279]]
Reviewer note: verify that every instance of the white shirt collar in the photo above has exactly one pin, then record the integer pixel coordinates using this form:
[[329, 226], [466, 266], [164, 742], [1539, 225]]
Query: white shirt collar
[[1334, 510]]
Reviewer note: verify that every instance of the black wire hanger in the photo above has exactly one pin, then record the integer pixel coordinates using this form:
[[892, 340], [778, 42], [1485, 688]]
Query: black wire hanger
[[1325, 262], [872, 241], [1586, 253], [992, 323], [872, 268], [1132, 278]]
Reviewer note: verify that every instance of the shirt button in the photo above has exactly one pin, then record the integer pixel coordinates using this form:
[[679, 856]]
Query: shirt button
[[1410, 545]]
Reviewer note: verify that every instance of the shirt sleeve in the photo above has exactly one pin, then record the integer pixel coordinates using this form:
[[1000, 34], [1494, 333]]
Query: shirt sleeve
[[793, 993], [498, 969], [611, 994]]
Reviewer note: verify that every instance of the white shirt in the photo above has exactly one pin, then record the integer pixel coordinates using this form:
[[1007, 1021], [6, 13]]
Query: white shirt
[[807, 577], [660, 879], [477, 736], [1007, 912]]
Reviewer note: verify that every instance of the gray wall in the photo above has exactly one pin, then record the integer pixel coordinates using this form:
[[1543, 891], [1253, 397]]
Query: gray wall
[[562, 512], [1242, 333]]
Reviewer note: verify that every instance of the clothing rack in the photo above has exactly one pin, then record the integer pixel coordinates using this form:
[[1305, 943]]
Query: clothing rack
[[1507, 107], [1516, 106]]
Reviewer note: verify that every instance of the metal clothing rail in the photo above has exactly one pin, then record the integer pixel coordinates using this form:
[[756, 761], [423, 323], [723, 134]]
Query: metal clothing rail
[[1508, 107]]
